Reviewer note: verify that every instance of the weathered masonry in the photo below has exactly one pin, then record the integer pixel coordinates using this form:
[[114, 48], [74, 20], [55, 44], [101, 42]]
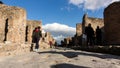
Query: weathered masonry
[[12, 24], [112, 23]]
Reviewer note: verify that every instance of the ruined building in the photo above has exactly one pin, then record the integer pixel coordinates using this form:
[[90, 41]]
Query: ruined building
[[30, 26], [80, 28], [93, 21], [46, 37], [112, 23], [12, 24], [16, 31], [77, 39]]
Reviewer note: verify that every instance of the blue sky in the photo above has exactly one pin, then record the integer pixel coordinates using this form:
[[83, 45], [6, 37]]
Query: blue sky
[[53, 11], [60, 16]]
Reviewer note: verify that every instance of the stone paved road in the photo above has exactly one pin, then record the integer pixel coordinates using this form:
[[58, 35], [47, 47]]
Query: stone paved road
[[60, 58]]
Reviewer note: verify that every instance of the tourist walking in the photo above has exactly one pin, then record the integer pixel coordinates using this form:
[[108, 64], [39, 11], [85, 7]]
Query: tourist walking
[[51, 44], [98, 36], [90, 35], [37, 36]]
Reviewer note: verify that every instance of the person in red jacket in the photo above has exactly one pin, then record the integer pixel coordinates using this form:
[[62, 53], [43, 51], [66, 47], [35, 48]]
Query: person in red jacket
[[37, 36]]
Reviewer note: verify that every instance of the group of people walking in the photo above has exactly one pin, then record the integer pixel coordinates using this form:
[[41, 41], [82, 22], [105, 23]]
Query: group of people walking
[[91, 37]]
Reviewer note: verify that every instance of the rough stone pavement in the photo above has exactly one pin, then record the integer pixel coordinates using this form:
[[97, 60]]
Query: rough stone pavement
[[60, 58]]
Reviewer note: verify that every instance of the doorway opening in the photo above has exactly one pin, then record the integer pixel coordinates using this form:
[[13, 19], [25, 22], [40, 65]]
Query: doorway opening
[[26, 34], [6, 29]]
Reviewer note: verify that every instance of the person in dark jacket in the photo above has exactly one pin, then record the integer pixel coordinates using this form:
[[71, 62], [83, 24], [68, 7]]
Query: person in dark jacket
[[90, 35], [37, 36], [33, 35], [98, 36]]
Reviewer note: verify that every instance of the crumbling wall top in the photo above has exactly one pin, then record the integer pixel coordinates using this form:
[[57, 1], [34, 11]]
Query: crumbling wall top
[[7, 11]]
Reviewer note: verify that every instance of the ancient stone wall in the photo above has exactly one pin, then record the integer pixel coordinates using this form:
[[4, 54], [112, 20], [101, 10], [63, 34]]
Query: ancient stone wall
[[12, 31], [12, 24], [44, 40], [14, 49], [112, 23], [78, 29], [93, 21], [30, 26], [66, 42], [48, 37], [15, 31]]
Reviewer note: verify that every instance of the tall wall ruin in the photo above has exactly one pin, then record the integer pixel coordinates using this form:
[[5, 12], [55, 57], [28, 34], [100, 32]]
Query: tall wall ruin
[[44, 40], [112, 23], [30, 26], [93, 21], [12, 24], [78, 29]]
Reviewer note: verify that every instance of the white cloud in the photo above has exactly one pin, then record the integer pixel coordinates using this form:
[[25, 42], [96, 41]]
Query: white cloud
[[68, 8], [59, 38], [91, 4], [59, 31], [76, 2]]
